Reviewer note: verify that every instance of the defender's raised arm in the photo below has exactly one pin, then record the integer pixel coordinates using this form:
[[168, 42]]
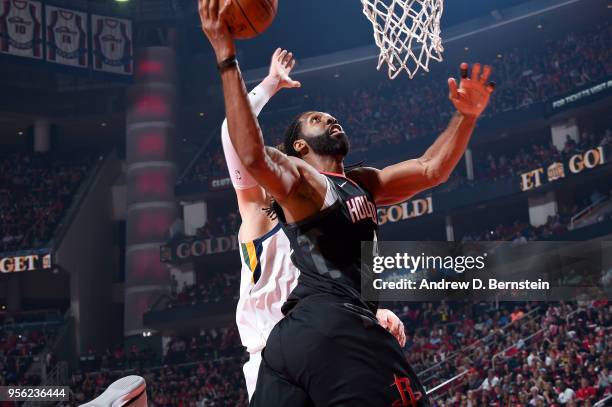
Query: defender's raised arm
[[250, 195], [277, 174]]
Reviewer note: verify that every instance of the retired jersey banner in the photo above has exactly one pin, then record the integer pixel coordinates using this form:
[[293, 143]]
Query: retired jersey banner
[[67, 37], [112, 44], [21, 31]]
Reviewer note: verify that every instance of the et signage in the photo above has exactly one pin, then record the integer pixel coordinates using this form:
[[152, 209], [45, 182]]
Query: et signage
[[578, 163]]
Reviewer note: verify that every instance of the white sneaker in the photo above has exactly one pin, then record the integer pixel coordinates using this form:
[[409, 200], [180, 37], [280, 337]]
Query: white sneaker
[[127, 391]]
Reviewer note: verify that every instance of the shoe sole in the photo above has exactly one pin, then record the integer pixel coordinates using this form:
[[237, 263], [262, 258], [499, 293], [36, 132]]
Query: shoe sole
[[127, 391]]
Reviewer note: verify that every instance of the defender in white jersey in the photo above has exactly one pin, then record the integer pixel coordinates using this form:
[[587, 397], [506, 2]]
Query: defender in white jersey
[[268, 274]]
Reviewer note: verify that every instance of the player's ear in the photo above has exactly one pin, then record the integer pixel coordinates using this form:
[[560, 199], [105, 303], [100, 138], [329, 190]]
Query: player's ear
[[301, 147]]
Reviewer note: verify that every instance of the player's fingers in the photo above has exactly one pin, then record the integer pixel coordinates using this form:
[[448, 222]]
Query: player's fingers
[[463, 69], [490, 87], [398, 331], [395, 325], [486, 72], [213, 10], [452, 88], [203, 8], [286, 59], [389, 323], [399, 337], [403, 337], [282, 55], [276, 53], [476, 72], [291, 65]]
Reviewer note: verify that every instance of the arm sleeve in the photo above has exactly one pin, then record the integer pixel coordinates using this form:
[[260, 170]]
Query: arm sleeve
[[241, 179]]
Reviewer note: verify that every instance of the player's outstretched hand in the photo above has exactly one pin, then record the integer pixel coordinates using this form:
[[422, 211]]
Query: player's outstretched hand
[[212, 15], [280, 68], [472, 96], [393, 324]]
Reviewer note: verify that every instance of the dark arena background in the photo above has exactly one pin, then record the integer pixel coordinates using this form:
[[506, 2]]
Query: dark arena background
[[118, 221]]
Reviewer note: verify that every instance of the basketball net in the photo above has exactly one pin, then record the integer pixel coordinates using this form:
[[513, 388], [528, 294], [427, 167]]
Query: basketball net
[[407, 32]]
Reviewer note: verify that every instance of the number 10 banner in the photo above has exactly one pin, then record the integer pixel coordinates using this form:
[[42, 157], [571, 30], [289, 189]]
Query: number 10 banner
[[21, 31]]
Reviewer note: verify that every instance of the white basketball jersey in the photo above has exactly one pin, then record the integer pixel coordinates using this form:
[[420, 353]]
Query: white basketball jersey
[[267, 278], [66, 37], [112, 45], [20, 28]]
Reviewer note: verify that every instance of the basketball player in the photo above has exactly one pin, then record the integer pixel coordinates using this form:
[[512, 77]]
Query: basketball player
[[329, 349], [267, 275]]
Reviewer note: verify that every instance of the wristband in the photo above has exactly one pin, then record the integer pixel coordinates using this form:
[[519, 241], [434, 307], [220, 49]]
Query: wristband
[[227, 64]]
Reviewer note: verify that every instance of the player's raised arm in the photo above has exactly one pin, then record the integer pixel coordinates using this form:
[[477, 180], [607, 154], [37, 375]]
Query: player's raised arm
[[398, 182], [251, 196], [275, 172]]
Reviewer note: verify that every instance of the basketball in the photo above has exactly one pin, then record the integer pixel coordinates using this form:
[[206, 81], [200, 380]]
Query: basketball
[[249, 18]]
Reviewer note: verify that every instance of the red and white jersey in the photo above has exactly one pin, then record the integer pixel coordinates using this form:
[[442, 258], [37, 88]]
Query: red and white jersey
[[112, 44], [20, 28], [66, 36], [267, 277]]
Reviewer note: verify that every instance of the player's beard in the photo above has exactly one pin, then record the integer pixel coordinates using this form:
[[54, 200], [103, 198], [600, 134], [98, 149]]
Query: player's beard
[[326, 144]]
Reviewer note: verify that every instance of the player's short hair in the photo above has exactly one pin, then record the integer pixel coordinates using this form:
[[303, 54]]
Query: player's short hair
[[293, 133]]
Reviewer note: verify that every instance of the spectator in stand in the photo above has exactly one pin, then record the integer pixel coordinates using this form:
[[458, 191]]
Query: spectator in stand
[[491, 381], [566, 394], [540, 371], [35, 191], [377, 116], [18, 348], [586, 391]]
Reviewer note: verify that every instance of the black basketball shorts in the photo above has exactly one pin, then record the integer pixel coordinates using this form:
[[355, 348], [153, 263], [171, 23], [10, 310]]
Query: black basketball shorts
[[327, 352]]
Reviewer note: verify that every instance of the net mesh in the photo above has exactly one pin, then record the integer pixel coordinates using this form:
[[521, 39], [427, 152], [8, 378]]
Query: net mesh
[[407, 33]]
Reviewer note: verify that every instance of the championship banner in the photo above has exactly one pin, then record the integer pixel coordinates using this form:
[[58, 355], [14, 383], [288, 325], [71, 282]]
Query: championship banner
[[21, 28], [21, 262], [67, 37], [113, 49]]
